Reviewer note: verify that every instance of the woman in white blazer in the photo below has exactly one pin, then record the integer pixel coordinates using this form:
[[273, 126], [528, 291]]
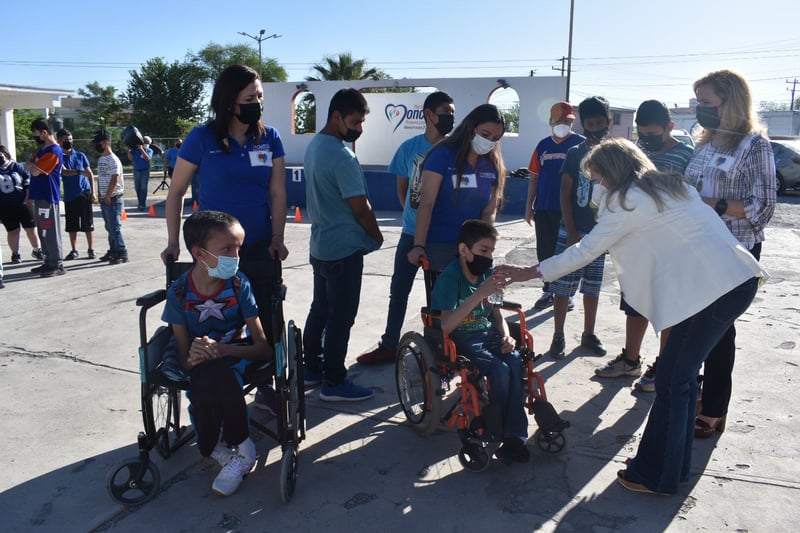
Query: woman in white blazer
[[680, 267]]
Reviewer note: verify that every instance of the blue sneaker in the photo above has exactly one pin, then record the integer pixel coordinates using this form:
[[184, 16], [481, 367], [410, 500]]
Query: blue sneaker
[[265, 400], [346, 391], [311, 377]]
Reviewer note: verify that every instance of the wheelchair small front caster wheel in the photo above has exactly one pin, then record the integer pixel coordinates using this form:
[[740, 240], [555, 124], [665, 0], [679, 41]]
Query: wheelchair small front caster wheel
[[550, 442], [131, 483], [473, 457], [288, 473]]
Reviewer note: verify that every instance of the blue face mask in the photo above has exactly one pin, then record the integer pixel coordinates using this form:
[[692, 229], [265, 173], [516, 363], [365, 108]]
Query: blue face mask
[[226, 266]]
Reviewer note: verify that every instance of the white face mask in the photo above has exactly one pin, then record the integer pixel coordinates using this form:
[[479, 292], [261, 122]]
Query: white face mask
[[482, 145], [599, 193], [561, 130]]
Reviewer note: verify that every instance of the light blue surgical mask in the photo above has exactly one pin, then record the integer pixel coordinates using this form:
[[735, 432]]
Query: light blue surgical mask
[[226, 268]]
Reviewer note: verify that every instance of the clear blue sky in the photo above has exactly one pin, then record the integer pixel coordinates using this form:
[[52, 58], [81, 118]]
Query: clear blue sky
[[626, 51]]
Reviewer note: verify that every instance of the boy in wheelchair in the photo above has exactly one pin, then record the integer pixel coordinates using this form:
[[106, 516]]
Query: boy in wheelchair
[[208, 308], [481, 334]]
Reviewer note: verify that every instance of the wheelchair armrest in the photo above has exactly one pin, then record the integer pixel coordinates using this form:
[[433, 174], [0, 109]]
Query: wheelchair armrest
[[151, 299], [511, 306], [433, 313]]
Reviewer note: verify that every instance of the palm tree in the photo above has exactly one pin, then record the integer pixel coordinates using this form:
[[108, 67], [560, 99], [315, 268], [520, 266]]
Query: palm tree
[[344, 67]]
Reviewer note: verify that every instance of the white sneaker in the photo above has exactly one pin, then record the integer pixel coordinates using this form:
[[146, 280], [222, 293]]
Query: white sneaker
[[233, 473], [222, 454]]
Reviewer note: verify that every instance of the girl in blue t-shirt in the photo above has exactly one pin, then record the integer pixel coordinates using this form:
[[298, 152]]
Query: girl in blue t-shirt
[[462, 179]]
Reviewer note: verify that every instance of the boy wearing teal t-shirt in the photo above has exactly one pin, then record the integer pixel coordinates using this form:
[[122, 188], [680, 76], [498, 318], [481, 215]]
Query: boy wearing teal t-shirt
[[481, 334]]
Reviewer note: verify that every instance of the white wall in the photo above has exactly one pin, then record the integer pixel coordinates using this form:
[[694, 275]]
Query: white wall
[[536, 94]]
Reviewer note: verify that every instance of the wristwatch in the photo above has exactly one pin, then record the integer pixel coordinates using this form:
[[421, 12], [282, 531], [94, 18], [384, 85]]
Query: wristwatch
[[721, 206]]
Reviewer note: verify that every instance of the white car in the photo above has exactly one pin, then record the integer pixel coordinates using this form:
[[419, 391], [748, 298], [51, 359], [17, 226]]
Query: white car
[[683, 136]]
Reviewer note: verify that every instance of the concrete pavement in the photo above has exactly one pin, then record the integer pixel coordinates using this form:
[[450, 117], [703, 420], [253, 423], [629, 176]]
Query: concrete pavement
[[69, 405]]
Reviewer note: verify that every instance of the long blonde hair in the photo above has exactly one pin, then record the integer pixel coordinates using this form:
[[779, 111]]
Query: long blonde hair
[[624, 165], [738, 117]]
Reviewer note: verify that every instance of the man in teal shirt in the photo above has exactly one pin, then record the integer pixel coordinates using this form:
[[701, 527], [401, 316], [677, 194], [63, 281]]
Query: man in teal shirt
[[343, 230]]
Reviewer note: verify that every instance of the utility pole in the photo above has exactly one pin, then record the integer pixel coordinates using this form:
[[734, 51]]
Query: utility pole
[[569, 51], [260, 39], [562, 69], [794, 86]]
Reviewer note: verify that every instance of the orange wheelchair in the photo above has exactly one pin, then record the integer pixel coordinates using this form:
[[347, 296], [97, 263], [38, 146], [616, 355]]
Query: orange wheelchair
[[438, 387]]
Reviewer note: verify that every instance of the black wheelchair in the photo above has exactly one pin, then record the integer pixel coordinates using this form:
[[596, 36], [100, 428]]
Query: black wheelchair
[[428, 363], [135, 480]]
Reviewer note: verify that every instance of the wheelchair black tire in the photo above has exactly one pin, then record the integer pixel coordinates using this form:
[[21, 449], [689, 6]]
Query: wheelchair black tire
[[551, 442], [163, 407], [124, 488], [473, 457], [413, 371], [289, 462]]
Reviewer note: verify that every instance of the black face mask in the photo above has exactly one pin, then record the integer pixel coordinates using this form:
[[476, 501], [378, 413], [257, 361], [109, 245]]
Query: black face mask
[[38, 140], [653, 143], [708, 117], [99, 147], [596, 135], [479, 265], [351, 135], [250, 113], [66, 146], [445, 124]]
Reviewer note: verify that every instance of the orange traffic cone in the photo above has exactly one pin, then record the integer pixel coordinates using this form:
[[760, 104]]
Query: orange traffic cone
[[124, 215], [152, 212], [195, 207], [298, 216]]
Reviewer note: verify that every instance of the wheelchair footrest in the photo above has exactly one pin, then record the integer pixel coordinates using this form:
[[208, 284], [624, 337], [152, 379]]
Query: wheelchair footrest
[[547, 418]]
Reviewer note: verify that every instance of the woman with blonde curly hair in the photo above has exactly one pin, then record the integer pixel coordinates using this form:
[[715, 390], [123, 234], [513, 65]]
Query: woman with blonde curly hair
[[733, 169]]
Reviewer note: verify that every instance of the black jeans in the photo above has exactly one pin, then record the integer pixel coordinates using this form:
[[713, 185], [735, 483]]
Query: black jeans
[[259, 266], [718, 368]]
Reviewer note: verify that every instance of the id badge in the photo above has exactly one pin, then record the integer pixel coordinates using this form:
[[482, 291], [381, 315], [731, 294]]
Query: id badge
[[468, 181], [723, 163], [260, 158]]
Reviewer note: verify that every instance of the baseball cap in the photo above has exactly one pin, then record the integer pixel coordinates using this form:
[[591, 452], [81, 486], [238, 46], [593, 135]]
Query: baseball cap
[[560, 111]]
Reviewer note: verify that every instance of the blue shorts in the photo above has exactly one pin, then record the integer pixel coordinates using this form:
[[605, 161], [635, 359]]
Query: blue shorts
[[590, 277]]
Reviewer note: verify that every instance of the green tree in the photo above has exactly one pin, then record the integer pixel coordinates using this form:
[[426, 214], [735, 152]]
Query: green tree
[[101, 107], [25, 145], [338, 67], [163, 97], [511, 116], [344, 67], [214, 58]]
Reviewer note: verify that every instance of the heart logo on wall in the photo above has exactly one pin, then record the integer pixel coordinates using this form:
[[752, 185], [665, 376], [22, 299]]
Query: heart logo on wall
[[395, 114]]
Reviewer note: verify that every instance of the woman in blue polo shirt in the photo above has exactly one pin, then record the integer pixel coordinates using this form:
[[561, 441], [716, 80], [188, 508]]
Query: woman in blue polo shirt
[[462, 179], [239, 164]]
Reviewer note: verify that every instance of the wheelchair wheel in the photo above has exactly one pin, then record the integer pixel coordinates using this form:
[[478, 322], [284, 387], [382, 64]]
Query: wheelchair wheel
[[296, 406], [417, 385], [550, 441], [166, 410], [129, 485], [473, 457], [288, 473]]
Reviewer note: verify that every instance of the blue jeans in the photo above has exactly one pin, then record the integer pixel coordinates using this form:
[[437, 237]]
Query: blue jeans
[[337, 293], [111, 217], [664, 457], [504, 371], [402, 281], [141, 179]]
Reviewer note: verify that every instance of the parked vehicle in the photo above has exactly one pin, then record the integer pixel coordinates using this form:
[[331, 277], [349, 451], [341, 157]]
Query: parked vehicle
[[787, 164], [683, 136]]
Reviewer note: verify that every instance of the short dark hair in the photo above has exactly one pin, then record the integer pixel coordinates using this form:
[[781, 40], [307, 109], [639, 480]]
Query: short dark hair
[[347, 101], [197, 229], [474, 230], [41, 125], [653, 112], [435, 99], [101, 135], [4, 151], [63, 132], [594, 106]]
